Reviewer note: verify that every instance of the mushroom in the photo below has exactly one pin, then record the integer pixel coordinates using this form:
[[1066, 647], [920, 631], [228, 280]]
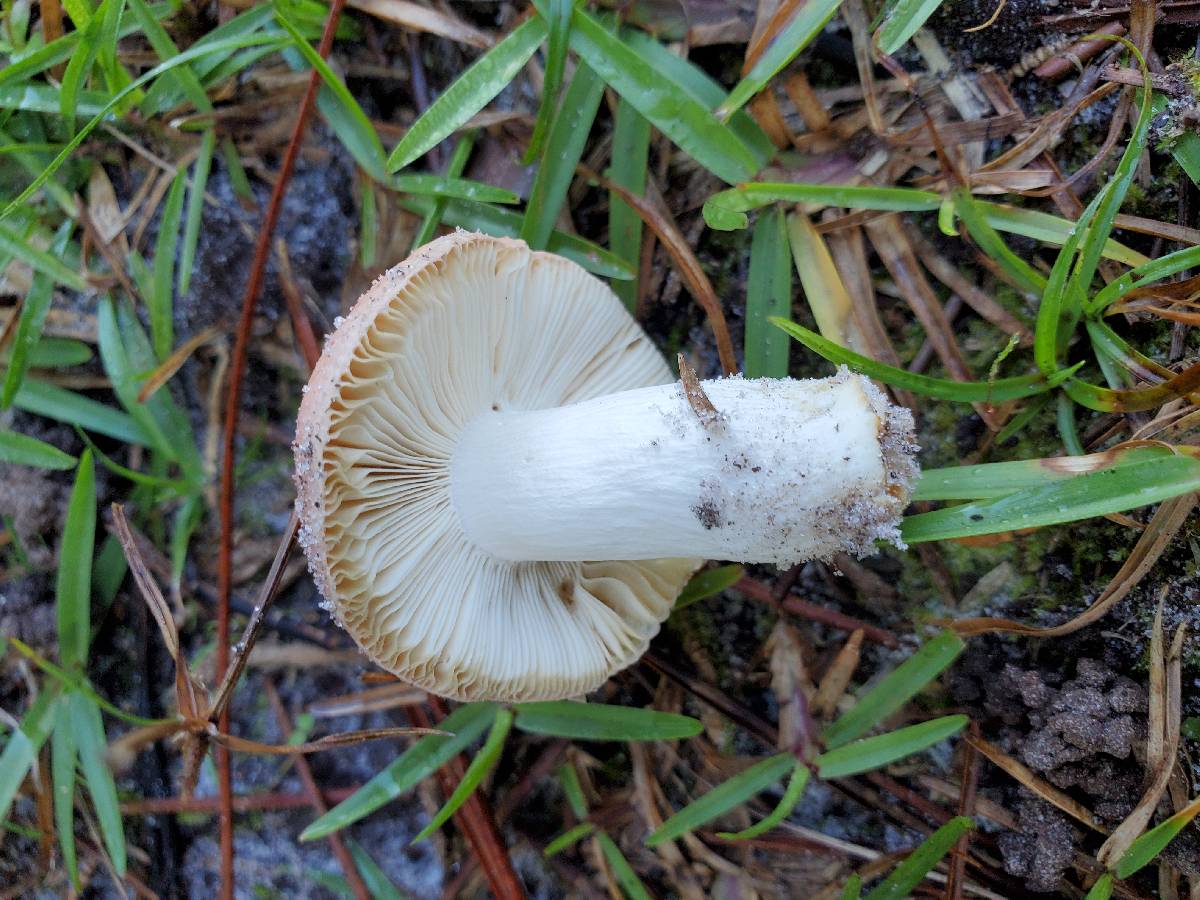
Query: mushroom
[[502, 489]]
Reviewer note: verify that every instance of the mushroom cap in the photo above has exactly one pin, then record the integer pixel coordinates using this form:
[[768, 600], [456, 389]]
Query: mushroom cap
[[467, 324]]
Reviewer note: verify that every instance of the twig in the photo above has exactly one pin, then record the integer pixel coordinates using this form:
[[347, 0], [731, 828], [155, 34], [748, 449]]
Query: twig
[[966, 807], [232, 406], [266, 596], [766, 733], [157, 806], [756, 590], [310, 347]]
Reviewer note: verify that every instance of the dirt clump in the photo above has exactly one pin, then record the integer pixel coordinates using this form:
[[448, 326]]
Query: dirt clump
[[1084, 735], [1040, 850]]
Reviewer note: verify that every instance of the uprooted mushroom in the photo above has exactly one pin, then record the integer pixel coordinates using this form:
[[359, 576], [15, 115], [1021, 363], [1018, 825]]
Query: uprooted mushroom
[[503, 488]]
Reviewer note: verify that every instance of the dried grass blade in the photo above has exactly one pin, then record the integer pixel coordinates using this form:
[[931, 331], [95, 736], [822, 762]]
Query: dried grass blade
[[793, 690], [1127, 832], [387, 696], [417, 17], [187, 695], [823, 287], [1156, 733], [847, 247], [173, 363], [332, 742], [302, 329], [1039, 786], [900, 260], [837, 677], [987, 308], [266, 595], [1160, 531], [663, 225]]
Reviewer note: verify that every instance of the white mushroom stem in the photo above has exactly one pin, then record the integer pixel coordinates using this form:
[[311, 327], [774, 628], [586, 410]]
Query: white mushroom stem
[[786, 471]]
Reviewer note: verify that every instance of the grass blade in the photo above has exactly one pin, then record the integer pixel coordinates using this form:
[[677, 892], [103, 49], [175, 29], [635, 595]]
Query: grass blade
[[992, 480], [598, 722], [452, 187], [33, 317], [195, 211], [995, 391], [424, 758], [123, 375], [1083, 497], [115, 77], [1049, 229], [470, 93], [674, 111], [63, 755], [483, 763], [73, 584], [726, 210], [768, 294], [65, 406], [1113, 194], [694, 81], [905, 877], [1102, 889], [622, 871], [558, 18], [433, 216], [564, 147], [373, 877], [56, 353], [162, 323], [791, 796], [875, 752], [79, 69], [1140, 276], [182, 80], [506, 223], [708, 583], [23, 745], [338, 105], [11, 242], [368, 224], [131, 356], [23, 450], [23, 69], [89, 734], [1051, 314], [45, 98], [1143, 851], [630, 151], [573, 790], [974, 217], [187, 520], [902, 22], [724, 797], [806, 23], [895, 689], [569, 838]]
